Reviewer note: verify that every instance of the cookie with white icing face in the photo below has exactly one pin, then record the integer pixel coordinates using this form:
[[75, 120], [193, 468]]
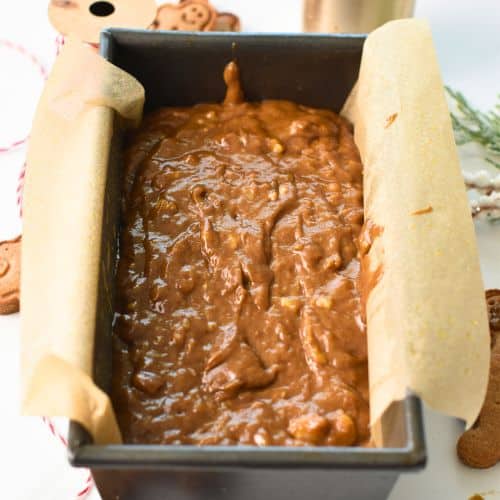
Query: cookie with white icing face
[[10, 273], [225, 21], [190, 15], [85, 19]]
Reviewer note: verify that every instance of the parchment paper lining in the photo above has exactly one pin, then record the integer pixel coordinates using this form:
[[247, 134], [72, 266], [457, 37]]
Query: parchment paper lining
[[63, 205], [427, 318]]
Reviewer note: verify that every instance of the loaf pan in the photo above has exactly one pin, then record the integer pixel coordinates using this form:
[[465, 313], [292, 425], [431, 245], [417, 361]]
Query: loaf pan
[[181, 69]]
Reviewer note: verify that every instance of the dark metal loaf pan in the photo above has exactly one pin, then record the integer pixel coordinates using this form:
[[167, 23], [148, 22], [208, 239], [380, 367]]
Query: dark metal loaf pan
[[183, 69]]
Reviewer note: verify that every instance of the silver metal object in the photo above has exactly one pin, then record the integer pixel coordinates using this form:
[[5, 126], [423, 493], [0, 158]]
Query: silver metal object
[[352, 16]]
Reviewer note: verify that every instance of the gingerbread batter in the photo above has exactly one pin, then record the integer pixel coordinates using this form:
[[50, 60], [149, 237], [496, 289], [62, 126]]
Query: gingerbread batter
[[238, 318]]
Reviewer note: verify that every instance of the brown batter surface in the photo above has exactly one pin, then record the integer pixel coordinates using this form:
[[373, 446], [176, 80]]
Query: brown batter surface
[[238, 318]]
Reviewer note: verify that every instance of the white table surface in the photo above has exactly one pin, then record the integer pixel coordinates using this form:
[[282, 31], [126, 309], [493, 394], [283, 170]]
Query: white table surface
[[33, 463]]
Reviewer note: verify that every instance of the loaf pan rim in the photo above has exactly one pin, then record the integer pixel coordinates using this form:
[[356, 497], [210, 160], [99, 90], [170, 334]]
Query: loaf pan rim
[[83, 453]]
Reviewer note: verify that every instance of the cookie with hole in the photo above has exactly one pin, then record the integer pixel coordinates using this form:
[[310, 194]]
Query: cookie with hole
[[85, 19]]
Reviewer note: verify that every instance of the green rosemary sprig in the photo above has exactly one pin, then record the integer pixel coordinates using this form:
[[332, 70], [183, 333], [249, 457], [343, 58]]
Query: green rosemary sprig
[[472, 125]]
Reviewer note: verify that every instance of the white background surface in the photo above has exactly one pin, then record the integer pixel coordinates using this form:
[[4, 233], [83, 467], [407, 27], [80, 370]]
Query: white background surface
[[32, 463]]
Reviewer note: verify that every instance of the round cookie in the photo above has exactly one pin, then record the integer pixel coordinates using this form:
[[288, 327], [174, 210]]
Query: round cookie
[[10, 273], [190, 15], [84, 19]]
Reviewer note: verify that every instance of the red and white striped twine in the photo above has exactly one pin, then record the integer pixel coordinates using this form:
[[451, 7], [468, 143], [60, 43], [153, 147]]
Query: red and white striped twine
[[22, 51], [87, 488], [54, 431], [59, 43], [89, 481], [20, 189]]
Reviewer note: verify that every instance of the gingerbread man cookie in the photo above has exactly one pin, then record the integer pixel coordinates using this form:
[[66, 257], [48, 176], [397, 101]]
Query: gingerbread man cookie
[[85, 19], [10, 272], [190, 15], [493, 302], [226, 21], [479, 447]]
